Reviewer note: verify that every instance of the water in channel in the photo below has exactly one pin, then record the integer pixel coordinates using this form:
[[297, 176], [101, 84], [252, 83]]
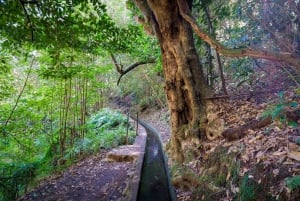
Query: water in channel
[[154, 184]]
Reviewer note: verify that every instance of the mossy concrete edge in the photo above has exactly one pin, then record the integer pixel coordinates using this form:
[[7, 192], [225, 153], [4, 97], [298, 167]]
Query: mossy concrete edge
[[140, 143]]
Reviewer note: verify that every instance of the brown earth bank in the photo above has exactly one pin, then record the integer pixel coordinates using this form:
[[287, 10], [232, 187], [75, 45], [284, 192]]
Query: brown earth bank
[[263, 163], [258, 166]]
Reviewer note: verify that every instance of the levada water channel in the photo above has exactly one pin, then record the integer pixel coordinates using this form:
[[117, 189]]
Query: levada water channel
[[155, 182]]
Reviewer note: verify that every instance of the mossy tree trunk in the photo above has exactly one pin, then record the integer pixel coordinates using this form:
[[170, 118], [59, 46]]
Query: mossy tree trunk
[[184, 81]]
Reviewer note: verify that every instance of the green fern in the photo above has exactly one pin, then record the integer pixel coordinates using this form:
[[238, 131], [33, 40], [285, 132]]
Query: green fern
[[108, 129], [247, 190], [277, 111], [293, 182]]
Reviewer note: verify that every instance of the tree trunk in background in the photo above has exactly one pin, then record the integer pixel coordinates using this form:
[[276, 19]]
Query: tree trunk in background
[[212, 32], [221, 74], [184, 81]]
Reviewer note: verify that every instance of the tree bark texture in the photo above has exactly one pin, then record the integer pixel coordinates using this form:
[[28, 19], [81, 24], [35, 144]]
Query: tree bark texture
[[185, 87], [184, 81]]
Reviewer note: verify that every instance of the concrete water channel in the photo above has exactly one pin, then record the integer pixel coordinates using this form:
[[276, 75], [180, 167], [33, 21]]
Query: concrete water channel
[[150, 180], [155, 180]]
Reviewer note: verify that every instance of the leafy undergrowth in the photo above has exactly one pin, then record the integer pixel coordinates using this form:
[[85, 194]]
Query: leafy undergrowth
[[106, 129], [263, 165]]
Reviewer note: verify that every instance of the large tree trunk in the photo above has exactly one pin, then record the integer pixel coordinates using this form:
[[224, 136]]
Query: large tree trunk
[[184, 81], [172, 21]]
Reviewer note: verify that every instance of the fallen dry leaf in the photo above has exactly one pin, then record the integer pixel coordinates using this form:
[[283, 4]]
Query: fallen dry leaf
[[276, 172], [279, 153], [294, 155]]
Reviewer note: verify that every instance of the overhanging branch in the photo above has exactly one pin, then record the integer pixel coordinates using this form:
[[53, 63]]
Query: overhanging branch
[[241, 52], [27, 16], [122, 72], [119, 67]]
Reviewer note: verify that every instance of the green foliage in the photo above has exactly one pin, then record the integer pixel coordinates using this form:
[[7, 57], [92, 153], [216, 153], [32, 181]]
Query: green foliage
[[48, 129], [278, 110], [298, 91], [6, 87], [148, 89], [15, 178], [109, 128], [59, 25], [106, 129], [242, 73], [293, 182], [251, 190], [247, 190], [32, 136], [107, 119], [217, 8], [241, 68], [130, 5]]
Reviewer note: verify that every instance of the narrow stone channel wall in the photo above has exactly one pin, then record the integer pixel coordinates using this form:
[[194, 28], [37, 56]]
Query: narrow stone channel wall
[[149, 180], [140, 141], [132, 153], [155, 182]]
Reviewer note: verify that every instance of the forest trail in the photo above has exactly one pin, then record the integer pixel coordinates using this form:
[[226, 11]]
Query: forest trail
[[95, 178], [92, 179], [112, 175]]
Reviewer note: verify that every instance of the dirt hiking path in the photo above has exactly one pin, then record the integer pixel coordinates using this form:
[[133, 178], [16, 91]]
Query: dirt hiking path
[[93, 179]]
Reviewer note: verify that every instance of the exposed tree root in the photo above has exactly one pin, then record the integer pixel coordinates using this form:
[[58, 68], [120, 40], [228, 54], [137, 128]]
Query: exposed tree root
[[237, 133]]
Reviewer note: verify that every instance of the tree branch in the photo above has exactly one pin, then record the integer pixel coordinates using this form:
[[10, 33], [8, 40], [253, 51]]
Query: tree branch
[[133, 66], [266, 28], [16, 105], [29, 2], [149, 17], [144, 8], [241, 52], [129, 68], [119, 67], [27, 17], [212, 31], [21, 93]]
